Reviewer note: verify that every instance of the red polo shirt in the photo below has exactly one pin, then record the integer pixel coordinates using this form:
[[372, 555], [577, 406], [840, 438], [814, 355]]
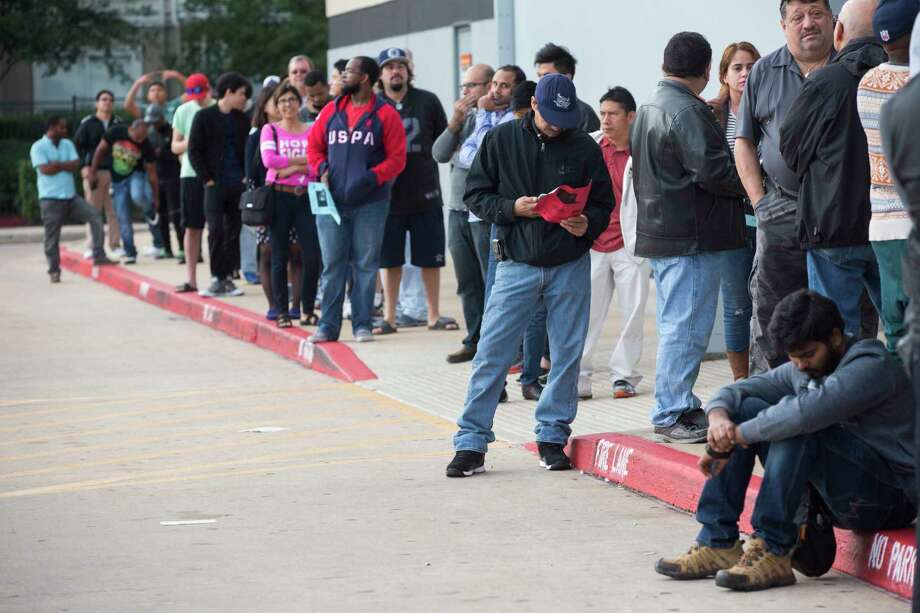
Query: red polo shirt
[[612, 238]]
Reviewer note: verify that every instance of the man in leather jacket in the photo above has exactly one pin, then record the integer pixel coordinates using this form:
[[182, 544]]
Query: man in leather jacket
[[689, 197]]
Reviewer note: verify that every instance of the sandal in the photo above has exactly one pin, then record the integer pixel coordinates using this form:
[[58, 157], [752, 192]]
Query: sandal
[[283, 321], [186, 288], [309, 319], [445, 323], [382, 327]]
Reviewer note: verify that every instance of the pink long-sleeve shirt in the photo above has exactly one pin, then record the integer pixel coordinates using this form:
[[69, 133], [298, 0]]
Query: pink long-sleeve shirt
[[274, 158]]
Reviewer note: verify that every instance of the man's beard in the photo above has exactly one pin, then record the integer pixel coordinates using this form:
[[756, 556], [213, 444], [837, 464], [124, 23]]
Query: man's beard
[[349, 90], [397, 87]]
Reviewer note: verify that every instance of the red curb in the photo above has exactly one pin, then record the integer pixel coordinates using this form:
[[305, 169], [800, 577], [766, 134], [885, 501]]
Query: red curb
[[884, 559], [333, 359]]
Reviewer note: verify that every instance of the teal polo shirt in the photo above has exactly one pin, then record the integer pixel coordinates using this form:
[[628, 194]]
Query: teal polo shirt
[[59, 186]]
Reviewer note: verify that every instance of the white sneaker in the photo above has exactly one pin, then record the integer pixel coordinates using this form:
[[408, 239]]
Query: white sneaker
[[584, 388], [88, 254], [151, 251], [118, 253], [346, 309]]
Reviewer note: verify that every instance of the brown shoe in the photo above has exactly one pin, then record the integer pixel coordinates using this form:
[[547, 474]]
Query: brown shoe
[[464, 354], [104, 261], [758, 569], [55, 277], [700, 562]]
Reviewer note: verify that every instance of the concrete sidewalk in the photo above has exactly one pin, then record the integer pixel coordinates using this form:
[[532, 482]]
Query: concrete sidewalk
[[36, 234], [411, 365]]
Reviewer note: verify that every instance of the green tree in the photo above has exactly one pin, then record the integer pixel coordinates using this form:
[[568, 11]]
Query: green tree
[[251, 37], [57, 32]]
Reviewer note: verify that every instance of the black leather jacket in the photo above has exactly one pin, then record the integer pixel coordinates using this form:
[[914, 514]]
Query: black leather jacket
[[688, 190]]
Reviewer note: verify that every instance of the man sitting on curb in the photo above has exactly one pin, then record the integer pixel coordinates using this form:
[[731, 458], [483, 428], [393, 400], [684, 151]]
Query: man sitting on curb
[[839, 417]]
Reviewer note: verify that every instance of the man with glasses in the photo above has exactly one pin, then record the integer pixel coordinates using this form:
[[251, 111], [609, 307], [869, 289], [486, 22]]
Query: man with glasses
[[470, 252], [299, 67], [358, 147], [92, 129]]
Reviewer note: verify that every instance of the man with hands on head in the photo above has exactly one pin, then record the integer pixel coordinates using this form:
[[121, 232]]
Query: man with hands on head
[[156, 93], [837, 418], [469, 250], [540, 262]]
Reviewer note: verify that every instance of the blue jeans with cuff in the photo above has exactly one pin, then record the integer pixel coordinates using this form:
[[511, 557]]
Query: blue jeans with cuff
[[859, 488], [136, 189]]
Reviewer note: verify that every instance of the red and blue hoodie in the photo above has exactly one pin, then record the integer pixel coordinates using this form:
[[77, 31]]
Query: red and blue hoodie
[[362, 147]]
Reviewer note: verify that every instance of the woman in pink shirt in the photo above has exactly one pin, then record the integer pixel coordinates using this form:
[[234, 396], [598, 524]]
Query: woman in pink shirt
[[284, 146]]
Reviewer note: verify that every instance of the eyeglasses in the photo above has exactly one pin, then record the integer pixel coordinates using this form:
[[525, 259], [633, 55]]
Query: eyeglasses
[[299, 71], [473, 84], [288, 100]]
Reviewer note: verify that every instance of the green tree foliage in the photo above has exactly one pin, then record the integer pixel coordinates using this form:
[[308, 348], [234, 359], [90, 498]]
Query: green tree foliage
[[57, 32], [251, 37]]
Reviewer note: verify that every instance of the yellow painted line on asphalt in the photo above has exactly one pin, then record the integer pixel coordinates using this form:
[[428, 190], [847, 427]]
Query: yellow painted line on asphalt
[[165, 422], [150, 410], [158, 397], [69, 488], [242, 442], [372, 443]]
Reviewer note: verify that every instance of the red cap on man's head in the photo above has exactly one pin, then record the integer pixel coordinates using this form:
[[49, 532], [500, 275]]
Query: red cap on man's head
[[196, 86]]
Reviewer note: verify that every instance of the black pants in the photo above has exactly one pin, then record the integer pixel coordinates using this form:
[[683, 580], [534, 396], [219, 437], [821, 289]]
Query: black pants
[[290, 210], [222, 213], [915, 373], [471, 281], [170, 213], [780, 267]]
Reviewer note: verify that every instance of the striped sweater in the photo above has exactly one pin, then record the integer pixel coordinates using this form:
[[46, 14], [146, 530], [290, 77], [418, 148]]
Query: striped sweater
[[889, 217]]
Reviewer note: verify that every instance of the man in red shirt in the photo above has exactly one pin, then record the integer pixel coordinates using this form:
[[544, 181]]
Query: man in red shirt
[[357, 147], [613, 264]]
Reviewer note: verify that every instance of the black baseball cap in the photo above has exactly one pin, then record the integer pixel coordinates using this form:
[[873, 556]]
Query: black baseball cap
[[557, 101]]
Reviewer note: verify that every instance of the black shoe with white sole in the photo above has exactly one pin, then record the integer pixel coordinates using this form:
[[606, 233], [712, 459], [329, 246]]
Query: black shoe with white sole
[[466, 464], [552, 456]]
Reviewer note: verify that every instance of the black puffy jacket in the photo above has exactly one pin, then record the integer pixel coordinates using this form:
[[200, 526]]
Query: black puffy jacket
[[687, 188], [514, 160], [823, 142]]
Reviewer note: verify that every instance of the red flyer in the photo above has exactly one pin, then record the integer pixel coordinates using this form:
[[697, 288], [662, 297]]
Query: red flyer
[[562, 203]]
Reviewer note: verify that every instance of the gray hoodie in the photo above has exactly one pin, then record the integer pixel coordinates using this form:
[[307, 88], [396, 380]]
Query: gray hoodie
[[868, 394]]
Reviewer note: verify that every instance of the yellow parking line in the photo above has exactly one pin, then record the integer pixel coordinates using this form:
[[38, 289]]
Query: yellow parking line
[[169, 473], [144, 411], [157, 397], [240, 443], [76, 487]]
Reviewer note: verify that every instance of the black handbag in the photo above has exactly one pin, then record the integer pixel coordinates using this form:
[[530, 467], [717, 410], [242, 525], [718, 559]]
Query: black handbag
[[256, 203]]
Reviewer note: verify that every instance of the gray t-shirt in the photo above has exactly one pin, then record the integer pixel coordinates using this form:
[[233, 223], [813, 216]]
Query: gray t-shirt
[[772, 87]]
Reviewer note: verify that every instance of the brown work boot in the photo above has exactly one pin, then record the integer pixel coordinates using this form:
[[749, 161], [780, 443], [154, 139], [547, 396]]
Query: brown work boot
[[700, 562], [758, 569]]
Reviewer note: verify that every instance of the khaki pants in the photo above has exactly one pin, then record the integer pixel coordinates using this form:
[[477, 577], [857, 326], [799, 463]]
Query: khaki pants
[[101, 198]]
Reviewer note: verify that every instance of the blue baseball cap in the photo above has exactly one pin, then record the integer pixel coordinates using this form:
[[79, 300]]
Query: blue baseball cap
[[392, 54], [557, 101], [894, 19]]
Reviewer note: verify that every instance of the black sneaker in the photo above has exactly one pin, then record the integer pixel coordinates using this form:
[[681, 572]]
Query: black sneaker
[[503, 397], [552, 456], [686, 429], [466, 464], [230, 288], [215, 290]]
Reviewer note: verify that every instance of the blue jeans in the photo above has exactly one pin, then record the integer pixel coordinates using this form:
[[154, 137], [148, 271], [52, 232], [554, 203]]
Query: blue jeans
[[353, 246], [518, 291], [688, 294], [737, 307], [136, 189], [841, 274], [535, 337], [858, 487]]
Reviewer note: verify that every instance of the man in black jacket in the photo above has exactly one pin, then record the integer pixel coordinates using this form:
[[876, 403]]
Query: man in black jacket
[[822, 140], [539, 262], [689, 199], [216, 149]]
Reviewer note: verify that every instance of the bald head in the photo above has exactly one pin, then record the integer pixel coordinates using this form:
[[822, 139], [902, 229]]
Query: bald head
[[855, 21], [477, 79]]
